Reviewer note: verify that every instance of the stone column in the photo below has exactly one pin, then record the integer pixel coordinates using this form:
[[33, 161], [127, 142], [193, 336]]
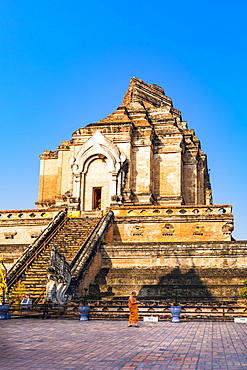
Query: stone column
[[113, 189], [200, 183], [77, 184], [190, 178], [82, 191], [167, 178]]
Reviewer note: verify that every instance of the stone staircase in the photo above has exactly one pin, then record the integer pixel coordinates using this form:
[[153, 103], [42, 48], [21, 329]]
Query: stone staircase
[[67, 241]]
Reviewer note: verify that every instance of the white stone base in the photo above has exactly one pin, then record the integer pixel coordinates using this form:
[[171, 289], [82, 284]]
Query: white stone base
[[151, 318], [240, 319]]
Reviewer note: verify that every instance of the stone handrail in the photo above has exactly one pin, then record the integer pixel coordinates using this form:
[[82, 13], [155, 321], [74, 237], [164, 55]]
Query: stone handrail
[[35, 248], [89, 248]]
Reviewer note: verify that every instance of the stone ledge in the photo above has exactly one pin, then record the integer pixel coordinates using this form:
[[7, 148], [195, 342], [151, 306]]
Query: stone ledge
[[28, 214]]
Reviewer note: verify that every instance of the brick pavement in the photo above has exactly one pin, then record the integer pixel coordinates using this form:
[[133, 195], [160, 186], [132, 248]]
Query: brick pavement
[[110, 345]]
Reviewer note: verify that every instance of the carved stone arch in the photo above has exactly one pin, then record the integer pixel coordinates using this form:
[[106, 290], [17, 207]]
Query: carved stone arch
[[95, 152], [98, 144], [98, 147]]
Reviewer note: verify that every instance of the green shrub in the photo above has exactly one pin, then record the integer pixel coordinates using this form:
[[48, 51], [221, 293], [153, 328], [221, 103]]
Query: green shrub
[[243, 292]]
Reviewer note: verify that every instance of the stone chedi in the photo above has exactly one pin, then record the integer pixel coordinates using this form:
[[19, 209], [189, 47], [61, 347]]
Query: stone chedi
[[143, 162], [139, 184], [143, 153]]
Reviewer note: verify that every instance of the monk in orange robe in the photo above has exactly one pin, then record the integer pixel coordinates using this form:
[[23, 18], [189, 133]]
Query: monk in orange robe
[[133, 307]]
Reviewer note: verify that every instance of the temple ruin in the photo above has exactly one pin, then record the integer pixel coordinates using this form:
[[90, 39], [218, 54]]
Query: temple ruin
[[141, 177]]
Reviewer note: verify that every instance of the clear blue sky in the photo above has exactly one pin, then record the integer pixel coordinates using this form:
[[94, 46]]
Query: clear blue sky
[[65, 64]]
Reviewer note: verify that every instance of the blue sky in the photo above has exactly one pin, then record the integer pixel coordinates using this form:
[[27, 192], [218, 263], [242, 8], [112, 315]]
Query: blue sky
[[64, 64]]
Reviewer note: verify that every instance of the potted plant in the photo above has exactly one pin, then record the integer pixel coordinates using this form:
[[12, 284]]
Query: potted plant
[[243, 292], [175, 309], [84, 308], [4, 307], [18, 292]]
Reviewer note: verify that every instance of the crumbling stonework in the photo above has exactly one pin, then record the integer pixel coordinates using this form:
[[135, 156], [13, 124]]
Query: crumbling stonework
[[176, 223], [145, 164], [23, 226], [202, 270], [141, 155], [20, 228], [144, 152]]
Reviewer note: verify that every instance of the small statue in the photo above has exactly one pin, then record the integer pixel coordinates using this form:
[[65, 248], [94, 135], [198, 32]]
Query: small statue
[[58, 276]]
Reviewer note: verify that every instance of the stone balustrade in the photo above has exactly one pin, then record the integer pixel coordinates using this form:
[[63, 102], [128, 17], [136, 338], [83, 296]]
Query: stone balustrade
[[28, 214], [172, 211], [117, 309]]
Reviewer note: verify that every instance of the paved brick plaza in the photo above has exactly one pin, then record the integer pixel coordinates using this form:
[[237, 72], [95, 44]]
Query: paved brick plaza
[[110, 345]]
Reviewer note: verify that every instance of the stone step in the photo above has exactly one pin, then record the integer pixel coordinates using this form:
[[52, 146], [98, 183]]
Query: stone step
[[34, 279], [68, 241]]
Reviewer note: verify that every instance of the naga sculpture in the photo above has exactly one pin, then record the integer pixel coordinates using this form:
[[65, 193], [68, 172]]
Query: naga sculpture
[[58, 278]]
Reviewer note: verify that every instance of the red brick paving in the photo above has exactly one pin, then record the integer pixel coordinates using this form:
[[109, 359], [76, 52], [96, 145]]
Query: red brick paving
[[109, 345]]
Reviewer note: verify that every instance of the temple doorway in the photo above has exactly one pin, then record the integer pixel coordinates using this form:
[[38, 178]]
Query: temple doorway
[[95, 194], [97, 198]]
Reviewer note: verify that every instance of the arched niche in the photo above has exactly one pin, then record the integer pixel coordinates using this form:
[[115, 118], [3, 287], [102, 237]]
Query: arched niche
[[101, 157]]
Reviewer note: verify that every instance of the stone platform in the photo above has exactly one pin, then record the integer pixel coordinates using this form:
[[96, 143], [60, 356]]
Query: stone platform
[[110, 345]]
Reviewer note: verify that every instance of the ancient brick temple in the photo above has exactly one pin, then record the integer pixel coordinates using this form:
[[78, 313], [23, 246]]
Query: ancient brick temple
[[141, 178], [141, 154], [142, 161]]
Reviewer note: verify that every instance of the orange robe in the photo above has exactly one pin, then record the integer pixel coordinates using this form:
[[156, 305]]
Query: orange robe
[[133, 318]]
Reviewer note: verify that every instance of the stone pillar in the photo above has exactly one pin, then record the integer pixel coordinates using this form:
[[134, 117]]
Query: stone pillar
[[82, 191], [41, 180], [200, 183], [167, 171], [190, 178], [208, 196], [76, 186], [142, 169], [113, 189]]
